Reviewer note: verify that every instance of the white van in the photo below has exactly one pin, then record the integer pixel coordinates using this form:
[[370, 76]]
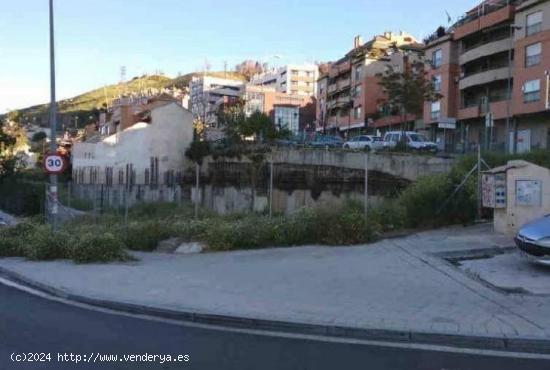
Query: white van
[[414, 141]]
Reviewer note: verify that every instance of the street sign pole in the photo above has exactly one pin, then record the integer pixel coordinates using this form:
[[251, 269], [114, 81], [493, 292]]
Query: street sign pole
[[52, 196]]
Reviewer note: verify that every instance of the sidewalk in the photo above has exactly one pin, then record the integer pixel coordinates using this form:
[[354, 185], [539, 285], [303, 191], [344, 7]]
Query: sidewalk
[[399, 285]]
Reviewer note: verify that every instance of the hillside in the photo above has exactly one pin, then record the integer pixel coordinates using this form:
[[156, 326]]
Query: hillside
[[87, 104]]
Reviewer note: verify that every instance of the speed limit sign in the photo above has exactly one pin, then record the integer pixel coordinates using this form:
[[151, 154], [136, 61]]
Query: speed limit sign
[[54, 163]]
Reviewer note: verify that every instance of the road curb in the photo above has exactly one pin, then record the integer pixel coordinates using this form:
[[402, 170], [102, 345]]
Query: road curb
[[526, 345]]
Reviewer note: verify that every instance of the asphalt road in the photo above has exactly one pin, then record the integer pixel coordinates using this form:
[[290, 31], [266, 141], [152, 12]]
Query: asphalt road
[[30, 324]]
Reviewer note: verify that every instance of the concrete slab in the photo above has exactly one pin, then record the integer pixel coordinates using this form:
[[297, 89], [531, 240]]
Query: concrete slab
[[511, 273]]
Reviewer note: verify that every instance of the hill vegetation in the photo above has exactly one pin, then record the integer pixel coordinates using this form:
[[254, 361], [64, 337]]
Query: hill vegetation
[[85, 107]]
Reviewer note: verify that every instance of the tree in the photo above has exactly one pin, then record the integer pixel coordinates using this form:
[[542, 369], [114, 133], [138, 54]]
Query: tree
[[39, 136], [260, 126], [231, 117], [249, 68], [407, 91], [8, 160]]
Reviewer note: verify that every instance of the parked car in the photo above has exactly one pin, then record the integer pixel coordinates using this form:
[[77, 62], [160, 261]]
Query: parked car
[[533, 240], [364, 142], [413, 140], [326, 142]]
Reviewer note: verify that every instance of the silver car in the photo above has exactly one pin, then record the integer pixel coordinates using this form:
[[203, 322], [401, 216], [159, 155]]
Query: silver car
[[364, 142], [533, 240]]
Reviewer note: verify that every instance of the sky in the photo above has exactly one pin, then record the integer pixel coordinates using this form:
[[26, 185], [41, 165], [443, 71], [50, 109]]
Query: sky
[[94, 38]]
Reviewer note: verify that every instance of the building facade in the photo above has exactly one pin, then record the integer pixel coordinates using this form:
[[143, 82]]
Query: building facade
[[350, 99], [492, 70], [150, 151], [206, 93], [295, 79], [295, 112]]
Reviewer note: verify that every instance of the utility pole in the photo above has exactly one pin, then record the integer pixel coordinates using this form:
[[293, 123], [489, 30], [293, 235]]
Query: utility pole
[[52, 196], [507, 146]]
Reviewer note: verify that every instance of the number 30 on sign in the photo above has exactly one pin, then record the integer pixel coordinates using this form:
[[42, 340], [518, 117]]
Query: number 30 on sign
[[54, 163]]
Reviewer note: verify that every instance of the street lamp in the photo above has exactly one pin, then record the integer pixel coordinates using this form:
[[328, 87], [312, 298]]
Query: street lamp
[[52, 196], [513, 28]]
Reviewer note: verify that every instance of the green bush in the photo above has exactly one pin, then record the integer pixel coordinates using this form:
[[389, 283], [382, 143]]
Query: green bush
[[98, 247], [388, 216], [422, 200], [13, 239], [191, 230], [45, 245], [332, 226], [145, 235], [245, 233]]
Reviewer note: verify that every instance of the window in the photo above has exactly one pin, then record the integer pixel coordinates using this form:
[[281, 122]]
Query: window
[[533, 54], [531, 91], [417, 138], [357, 112], [435, 110], [534, 23], [437, 83], [437, 57], [357, 91], [358, 71]]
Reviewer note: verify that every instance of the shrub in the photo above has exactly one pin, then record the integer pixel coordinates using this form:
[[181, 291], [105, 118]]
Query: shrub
[[388, 216], [299, 228], [422, 200], [96, 247], [13, 239], [191, 230], [246, 233], [153, 210], [45, 245], [344, 225], [145, 235]]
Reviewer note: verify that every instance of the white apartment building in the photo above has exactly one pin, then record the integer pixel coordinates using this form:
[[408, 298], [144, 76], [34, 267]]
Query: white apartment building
[[206, 91], [296, 79]]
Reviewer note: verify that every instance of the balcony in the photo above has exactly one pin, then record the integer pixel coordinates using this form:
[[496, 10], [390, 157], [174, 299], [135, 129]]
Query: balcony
[[483, 50], [469, 112], [343, 100], [338, 69], [484, 78], [332, 88], [491, 16], [499, 110], [344, 83]]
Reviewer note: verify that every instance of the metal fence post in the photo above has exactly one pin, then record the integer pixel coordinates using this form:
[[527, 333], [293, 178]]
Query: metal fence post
[[197, 189], [479, 182], [271, 188], [366, 191], [126, 209]]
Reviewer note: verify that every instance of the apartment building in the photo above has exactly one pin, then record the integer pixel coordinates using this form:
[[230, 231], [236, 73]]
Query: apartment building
[[295, 79], [205, 93], [295, 112], [492, 71], [350, 99]]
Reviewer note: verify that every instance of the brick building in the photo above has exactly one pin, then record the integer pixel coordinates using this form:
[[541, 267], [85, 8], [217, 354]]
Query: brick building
[[492, 68], [349, 98]]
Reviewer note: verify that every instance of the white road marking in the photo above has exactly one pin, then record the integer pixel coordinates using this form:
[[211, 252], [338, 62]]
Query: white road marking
[[316, 338]]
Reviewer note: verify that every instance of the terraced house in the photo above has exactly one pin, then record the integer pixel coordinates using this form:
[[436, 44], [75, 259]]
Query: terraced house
[[492, 68]]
